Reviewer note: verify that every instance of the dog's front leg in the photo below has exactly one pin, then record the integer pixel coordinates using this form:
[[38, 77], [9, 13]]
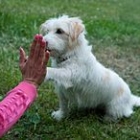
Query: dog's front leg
[[63, 110], [61, 76]]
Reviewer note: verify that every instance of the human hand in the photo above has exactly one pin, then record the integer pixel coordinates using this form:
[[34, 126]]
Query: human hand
[[33, 68]]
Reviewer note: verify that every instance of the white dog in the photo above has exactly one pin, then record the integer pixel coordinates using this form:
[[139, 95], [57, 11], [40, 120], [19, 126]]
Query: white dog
[[80, 80]]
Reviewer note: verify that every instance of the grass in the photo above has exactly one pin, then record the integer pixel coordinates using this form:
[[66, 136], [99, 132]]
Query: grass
[[113, 28]]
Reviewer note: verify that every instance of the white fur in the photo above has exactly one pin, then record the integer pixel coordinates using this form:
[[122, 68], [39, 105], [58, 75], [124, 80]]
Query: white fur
[[80, 80]]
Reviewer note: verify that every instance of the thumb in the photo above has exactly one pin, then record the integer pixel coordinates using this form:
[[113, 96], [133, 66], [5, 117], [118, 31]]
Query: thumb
[[22, 57]]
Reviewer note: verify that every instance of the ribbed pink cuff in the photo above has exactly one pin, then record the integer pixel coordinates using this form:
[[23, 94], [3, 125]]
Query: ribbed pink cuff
[[15, 103], [28, 88]]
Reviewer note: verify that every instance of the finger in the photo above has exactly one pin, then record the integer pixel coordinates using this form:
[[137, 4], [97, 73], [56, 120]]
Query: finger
[[32, 47], [46, 59], [39, 47], [40, 54], [35, 47], [26, 58], [22, 56]]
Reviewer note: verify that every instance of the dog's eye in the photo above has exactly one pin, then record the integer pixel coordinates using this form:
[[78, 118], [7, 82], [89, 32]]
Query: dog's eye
[[59, 31]]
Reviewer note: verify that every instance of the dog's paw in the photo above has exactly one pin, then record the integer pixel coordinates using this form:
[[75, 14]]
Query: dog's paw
[[58, 115]]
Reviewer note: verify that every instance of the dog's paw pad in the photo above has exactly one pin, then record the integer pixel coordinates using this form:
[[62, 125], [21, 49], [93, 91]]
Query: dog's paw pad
[[58, 115]]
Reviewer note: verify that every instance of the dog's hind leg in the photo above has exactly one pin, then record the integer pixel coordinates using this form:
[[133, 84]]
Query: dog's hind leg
[[118, 108]]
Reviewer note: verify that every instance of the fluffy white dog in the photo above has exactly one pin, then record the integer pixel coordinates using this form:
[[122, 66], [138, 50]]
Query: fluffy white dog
[[80, 80]]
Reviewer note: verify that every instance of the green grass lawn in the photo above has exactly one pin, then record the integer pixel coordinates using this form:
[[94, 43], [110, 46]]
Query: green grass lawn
[[113, 28]]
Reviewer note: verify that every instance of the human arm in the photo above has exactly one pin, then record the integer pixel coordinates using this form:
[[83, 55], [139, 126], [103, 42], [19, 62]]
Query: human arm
[[19, 99], [15, 104]]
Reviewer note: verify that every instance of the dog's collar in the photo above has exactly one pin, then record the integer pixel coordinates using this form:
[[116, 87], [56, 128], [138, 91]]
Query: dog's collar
[[62, 59]]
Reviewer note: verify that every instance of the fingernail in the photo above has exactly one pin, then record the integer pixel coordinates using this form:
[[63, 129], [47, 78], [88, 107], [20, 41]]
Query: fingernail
[[38, 37]]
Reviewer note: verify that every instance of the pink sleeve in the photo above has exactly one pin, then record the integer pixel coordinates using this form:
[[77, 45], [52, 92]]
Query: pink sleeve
[[14, 105]]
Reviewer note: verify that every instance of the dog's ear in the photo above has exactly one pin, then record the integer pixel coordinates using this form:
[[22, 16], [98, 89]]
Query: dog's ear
[[75, 28], [42, 28]]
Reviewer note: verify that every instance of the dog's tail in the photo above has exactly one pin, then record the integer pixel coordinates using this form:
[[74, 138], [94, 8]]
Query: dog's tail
[[135, 100]]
